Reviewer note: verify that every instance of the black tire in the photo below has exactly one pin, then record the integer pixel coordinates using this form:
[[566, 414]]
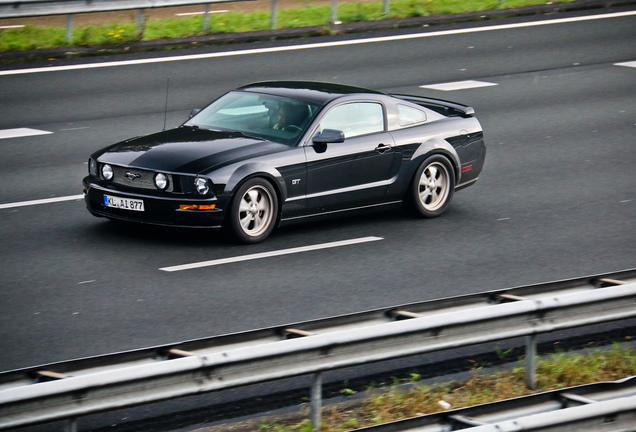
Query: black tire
[[432, 187], [253, 212]]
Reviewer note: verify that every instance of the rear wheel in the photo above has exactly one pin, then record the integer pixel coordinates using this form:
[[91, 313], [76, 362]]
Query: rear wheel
[[253, 211], [432, 187]]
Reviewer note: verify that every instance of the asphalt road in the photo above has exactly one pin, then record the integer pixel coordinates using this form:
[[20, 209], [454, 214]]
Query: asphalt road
[[556, 198]]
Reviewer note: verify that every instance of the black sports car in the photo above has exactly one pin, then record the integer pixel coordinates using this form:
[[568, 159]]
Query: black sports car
[[271, 153]]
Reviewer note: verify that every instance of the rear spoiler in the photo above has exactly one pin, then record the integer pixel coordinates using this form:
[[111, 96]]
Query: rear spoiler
[[443, 107]]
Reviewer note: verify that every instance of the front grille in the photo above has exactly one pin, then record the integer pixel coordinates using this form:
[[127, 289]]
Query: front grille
[[136, 178]]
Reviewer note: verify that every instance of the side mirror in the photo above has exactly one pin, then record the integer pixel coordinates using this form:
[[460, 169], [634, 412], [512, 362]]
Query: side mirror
[[329, 136], [194, 112]]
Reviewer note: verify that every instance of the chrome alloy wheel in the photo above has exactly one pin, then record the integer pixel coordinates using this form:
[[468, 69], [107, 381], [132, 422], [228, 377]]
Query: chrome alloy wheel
[[434, 186], [253, 211], [256, 210]]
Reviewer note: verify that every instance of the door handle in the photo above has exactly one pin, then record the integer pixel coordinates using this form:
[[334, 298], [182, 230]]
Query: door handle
[[381, 148]]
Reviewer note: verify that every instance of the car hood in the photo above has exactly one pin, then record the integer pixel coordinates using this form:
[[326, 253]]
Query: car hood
[[186, 150]]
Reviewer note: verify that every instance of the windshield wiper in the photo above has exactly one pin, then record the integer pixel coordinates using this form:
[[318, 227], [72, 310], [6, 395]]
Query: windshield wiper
[[246, 135]]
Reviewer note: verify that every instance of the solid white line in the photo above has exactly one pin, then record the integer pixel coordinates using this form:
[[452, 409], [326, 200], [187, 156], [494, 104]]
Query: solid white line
[[21, 132], [270, 254], [41, 201], [316, 45]]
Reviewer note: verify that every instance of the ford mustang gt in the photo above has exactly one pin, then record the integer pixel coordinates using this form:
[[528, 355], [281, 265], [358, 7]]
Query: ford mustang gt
[[272, 153]]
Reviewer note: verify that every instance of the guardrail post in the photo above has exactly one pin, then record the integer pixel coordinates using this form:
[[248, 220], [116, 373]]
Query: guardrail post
[[71, 425], [141, 22], [69, 29], [386, 5], [316, 401], [273, 14], [334, 11], [531, 361], [206, 17]]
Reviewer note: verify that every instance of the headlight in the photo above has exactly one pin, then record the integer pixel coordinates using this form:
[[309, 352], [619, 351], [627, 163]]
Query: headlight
[[202, 185], [161, 181], [92, 167], [107, 172]]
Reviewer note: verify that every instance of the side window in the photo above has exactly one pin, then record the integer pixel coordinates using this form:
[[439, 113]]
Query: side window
[[409, 116], [354, 119]]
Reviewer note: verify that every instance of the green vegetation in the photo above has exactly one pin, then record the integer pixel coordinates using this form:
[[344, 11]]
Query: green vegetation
[[398, 402], [306, 13]]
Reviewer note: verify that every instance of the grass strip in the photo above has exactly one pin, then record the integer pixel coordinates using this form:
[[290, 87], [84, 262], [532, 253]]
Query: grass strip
[[396, 402], [308, 13]]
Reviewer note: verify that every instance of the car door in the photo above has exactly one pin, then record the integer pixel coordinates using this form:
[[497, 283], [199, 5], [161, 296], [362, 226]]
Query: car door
[[355, 172]]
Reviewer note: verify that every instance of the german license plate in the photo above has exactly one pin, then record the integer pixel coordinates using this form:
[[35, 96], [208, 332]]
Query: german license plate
[[123, 203]]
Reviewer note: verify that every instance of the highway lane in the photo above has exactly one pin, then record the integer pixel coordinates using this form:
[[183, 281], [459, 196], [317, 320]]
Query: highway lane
[[69, 96], [555, 200]]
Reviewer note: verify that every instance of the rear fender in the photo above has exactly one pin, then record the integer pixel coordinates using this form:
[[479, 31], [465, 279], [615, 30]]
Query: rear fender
[[438, 146]]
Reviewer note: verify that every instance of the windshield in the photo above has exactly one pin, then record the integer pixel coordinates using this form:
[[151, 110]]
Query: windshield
[[263, 116]]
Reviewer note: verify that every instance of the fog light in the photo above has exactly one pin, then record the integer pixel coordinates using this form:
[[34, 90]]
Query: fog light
[[161, 181], [107, 172], [202, 185]]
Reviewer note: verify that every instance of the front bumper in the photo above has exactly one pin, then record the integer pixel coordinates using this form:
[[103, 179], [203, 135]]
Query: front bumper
[[157, 210]]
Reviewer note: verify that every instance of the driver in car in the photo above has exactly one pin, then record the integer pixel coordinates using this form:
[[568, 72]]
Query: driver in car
[[290, 118]]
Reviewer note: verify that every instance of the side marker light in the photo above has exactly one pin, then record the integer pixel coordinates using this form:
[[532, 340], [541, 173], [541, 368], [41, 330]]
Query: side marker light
[[197, 206]]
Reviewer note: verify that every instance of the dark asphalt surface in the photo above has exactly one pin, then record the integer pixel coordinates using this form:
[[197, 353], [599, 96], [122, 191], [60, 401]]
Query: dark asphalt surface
[[556, 199]]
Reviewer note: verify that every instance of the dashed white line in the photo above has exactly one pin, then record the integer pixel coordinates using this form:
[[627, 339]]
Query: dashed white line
[[319, 45], [458, 85], [41, 201], [21, 132], [627, 64], [270, 254]]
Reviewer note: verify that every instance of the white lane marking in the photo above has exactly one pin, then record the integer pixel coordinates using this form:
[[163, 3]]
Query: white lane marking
[[270, 254], [627, 64], [458, 85], [21, 132], [41, 201], [316, 45], [12, 26]]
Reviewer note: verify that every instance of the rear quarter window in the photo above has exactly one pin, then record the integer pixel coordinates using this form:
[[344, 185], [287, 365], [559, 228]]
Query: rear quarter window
[[408, 115]]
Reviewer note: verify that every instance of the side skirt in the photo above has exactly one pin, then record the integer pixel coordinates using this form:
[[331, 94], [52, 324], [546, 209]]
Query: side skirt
[[338, 213]]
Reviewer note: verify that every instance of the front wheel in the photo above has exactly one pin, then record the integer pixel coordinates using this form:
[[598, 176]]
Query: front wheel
[[432, 187], [253, 211]]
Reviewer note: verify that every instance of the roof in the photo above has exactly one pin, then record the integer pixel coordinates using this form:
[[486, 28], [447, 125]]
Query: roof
[[311, 91]]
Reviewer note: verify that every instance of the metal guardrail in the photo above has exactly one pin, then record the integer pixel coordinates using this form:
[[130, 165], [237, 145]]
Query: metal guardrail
[[34, 8], [71, 389], [607, 407]]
